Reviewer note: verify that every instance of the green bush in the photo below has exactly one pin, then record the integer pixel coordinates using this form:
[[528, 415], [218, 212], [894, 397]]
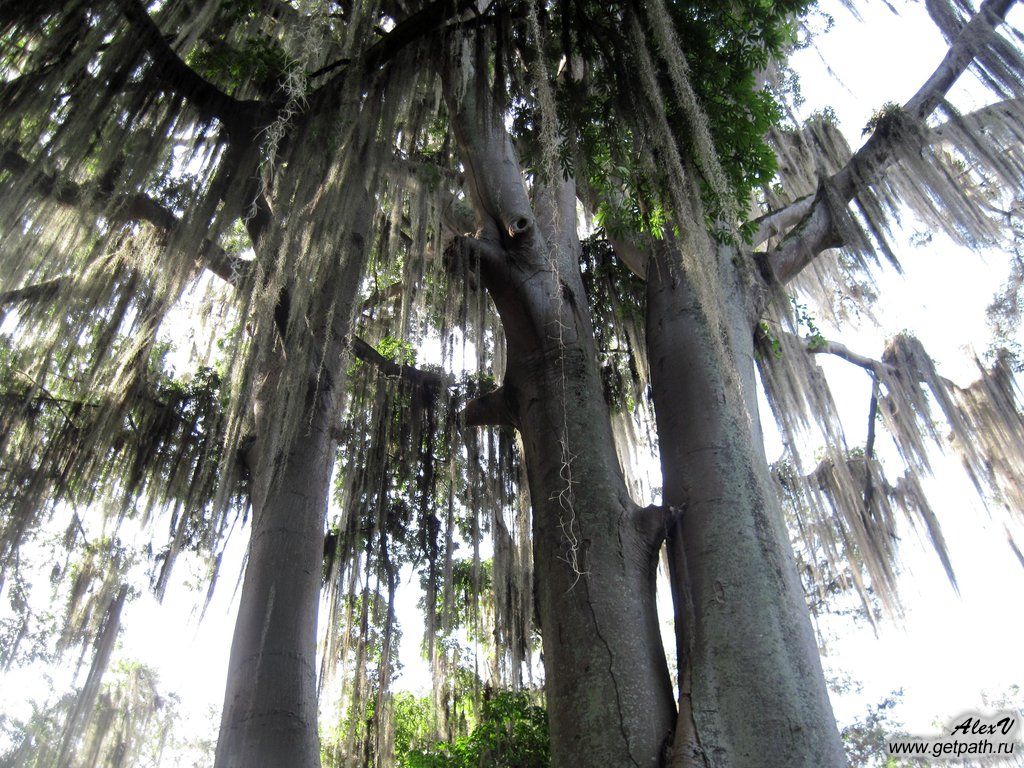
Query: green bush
[[512, 733]]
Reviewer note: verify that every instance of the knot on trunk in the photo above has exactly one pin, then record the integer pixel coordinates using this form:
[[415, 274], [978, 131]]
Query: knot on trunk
[[519, 225]]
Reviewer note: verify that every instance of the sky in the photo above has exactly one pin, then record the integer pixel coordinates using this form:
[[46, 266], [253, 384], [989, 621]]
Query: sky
[[949, 650]]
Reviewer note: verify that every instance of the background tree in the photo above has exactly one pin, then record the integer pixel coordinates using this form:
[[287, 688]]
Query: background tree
[[130, 724], [322, 169]]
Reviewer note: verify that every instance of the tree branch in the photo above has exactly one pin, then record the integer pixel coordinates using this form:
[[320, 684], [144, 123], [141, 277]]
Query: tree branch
[[869, 444], [242, 118], [777, 222], [491, 409], [819, 346], [1014, 547], [414, 27], [633, 250], [818, 230], [38, 292], [494, 180], [416, 376], [466, 246], [120, 209], [979, 119]]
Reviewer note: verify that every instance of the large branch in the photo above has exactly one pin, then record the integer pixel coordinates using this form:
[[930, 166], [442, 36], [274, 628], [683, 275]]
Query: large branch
[[242, 118], [779, 221], [981, 119], [416, 376], [120, 209], [633, 250], [818, 231], [31, 293], [414, 27], [490, 410]]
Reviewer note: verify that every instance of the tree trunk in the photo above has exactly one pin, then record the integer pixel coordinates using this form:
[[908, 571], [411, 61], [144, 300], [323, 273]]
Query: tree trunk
[[752, 689], [606, 679], [82, 710], [270, 706]]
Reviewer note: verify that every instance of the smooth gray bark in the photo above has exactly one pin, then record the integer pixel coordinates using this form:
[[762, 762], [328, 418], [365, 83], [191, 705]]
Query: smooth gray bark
[[751, 676], [270, 705], [606, 679]]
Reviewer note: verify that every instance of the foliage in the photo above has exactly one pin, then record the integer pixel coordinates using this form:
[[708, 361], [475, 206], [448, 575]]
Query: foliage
[[258, 57], [397, 350], [415, 723], [512, 733], [805, 323], [768, 341], [334, 167], [884, 115], [616, 298], [866, 739], [130, 724]]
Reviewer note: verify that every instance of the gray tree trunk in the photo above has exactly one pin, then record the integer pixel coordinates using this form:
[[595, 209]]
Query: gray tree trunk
[[752, 690], [270, 705], [606, 679]]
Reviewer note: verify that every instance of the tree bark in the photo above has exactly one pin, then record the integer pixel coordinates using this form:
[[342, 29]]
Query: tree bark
[[752, 689], [606, 679], [270, 705]]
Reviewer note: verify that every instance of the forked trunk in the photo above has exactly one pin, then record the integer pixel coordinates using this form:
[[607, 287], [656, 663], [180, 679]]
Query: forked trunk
[[606, 680], [752, 690]]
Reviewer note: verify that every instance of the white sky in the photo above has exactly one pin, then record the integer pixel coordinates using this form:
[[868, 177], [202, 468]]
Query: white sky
[[947, 651]]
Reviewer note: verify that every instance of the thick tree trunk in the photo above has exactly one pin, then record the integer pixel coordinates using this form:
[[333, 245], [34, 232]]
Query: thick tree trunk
[[606, 679], [607, 684], [752, 689], [270, 708]]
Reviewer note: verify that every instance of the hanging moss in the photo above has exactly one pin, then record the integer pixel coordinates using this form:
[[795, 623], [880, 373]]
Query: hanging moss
[[275, 146]]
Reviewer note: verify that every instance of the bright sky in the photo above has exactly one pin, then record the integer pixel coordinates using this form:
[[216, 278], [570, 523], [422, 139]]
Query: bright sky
[[948, 649]]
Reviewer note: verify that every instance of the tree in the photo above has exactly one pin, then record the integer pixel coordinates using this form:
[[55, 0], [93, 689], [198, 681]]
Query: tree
[[386, 168], [131, 725], [868, 738]]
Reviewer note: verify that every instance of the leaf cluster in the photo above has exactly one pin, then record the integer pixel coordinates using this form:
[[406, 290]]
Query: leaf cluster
[[512, 733]]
